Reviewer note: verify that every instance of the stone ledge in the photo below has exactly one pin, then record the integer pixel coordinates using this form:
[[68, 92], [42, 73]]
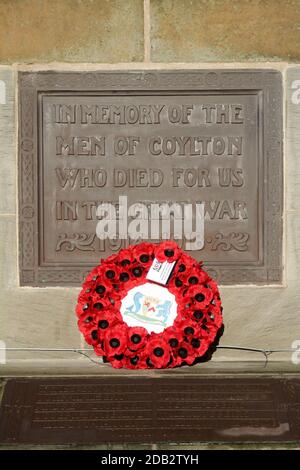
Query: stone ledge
[[81, 368]]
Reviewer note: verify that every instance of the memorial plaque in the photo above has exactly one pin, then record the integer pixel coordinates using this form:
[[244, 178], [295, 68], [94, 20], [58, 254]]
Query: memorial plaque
[[184, 408], [171, 141]]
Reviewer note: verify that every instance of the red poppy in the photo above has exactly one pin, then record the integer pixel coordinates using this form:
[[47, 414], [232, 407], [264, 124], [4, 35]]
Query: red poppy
[[91, 335], [195, 277], [208, 331], [184, 309], [138, 274], [125, 256], [185, 263], [115, 340], [180, 297], [143, 360], [187, 327], [136, 360], [143, 253], [177, 283], [114, 291], [102, 286], [117, 361], [214, 314], [172, 336], [107, 319], [109, 272], [167, 251], [97, 304], [199, 315], [157, 352], [184, 354], [83, 306], [137, 338], [88, 287], [124, 274], [201, 295], [87, 323], [199, 345]]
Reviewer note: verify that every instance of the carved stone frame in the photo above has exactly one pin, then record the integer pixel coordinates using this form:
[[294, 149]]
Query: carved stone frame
[[266, 82]]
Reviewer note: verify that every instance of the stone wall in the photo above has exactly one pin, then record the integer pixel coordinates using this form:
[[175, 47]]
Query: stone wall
[[150, 34]]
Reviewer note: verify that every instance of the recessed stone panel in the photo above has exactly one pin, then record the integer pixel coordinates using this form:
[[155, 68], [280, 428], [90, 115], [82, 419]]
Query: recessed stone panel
[[162, 137]]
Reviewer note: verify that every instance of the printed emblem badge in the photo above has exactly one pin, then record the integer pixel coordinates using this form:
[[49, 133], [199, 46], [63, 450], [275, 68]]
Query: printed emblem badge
[[151, 306]]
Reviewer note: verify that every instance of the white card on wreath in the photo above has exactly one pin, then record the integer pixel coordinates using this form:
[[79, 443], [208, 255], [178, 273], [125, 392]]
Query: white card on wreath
[[160, 272]]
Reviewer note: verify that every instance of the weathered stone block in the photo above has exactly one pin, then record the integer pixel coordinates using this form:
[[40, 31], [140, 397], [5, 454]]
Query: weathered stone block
[[7, 142], [224, 30], [293, 138], [261, 317], [71, 31], [8, 254], [40, 319]]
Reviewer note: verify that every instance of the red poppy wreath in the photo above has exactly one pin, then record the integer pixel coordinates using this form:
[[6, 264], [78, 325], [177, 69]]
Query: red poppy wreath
[[134, 321]]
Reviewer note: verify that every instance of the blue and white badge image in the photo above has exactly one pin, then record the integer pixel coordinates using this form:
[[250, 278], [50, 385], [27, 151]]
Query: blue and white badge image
[[150, 306]]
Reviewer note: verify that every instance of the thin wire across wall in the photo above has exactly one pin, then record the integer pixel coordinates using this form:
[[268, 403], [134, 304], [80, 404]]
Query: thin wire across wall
[[85, 351]]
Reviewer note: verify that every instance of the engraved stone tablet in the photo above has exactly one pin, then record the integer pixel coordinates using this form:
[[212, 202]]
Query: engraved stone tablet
[[195, 407], [170, 141]]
